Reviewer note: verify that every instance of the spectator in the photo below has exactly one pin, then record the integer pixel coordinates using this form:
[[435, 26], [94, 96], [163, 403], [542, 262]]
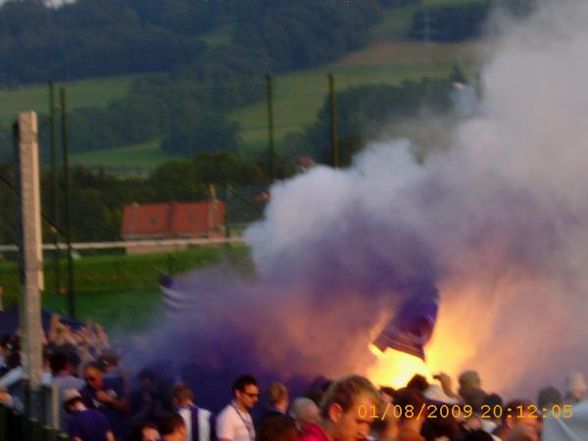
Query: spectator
[[548, 397], [522, 414], [277, 396], [318, 389], [85, 424], [144, 432], [436, 394], [173, 428], [304, 411], [418, 382], [522, 433], [107, 396], [470, 387], [108, 362], [440, 428], [411, 402], [341, 413], [12, 381], [63, 380], [387, 394], [385, 427], [494, 405], [576, 388], [199, 425], [149, 403], [277, 428], [234, 422], [446, 386]]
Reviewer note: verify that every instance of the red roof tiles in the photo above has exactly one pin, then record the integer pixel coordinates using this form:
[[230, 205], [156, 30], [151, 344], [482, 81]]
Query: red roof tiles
[[173, 219]]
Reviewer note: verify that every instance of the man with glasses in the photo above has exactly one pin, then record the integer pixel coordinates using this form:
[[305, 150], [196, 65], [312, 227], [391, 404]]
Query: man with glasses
[[234, 423]]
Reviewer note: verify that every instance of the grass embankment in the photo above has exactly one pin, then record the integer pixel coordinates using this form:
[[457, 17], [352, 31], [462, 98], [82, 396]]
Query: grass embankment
[[120, 291]]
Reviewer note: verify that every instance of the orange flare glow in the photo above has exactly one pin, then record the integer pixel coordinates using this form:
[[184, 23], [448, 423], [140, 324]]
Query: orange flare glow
[[395, 368], [449, 348]]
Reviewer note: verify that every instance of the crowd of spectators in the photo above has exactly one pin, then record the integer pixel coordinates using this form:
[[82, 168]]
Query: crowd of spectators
[[97, 404]]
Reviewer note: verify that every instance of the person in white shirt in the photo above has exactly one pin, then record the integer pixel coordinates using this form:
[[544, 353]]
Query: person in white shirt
[[234, 423], [198, 420]]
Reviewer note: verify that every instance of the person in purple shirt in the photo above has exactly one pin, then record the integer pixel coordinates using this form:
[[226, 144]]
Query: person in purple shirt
[[106, 395], [85, 424]]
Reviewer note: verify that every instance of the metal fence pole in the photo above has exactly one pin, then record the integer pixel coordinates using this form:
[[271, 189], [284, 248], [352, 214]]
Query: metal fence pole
[[71, 308], [334, 128], [3, 423], [270, 126]]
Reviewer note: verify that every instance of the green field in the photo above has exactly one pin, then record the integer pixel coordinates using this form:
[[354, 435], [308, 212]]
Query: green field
[[98, 92], [121, 291], [146, 155], [117, 311]]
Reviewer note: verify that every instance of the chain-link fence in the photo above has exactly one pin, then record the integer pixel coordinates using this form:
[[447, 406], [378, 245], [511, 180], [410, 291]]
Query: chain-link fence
[[260, 130]]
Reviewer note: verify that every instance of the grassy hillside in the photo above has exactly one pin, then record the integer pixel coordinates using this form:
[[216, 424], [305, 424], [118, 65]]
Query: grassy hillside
[[84, 93], [297, 96]]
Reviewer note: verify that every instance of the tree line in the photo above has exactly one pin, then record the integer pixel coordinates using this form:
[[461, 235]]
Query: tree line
[[92, 38], [459, 22], [98, 197], [362, 114]]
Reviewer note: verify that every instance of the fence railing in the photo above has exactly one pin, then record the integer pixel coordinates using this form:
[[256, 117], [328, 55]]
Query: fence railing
[[15, 426], [18, 426]]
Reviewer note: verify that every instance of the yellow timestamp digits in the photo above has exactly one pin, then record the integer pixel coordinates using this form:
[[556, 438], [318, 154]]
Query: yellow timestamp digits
[[430, 411], [520, 411], [459, 412]]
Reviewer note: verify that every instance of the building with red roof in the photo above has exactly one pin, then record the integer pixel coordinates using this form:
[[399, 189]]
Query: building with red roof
[[173, 220]]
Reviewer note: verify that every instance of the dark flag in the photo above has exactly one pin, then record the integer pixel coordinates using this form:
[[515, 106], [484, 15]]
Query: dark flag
[[173, 300], [410, 329]]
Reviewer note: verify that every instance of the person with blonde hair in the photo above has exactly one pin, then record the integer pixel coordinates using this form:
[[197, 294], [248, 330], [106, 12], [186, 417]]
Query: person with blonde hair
[[345, 411], [277, 397]]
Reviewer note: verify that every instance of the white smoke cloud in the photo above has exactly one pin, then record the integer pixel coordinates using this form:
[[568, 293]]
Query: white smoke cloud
[[503, 216], [498, 223]]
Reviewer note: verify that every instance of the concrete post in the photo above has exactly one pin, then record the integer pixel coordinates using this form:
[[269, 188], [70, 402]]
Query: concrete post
[[31, 254]]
